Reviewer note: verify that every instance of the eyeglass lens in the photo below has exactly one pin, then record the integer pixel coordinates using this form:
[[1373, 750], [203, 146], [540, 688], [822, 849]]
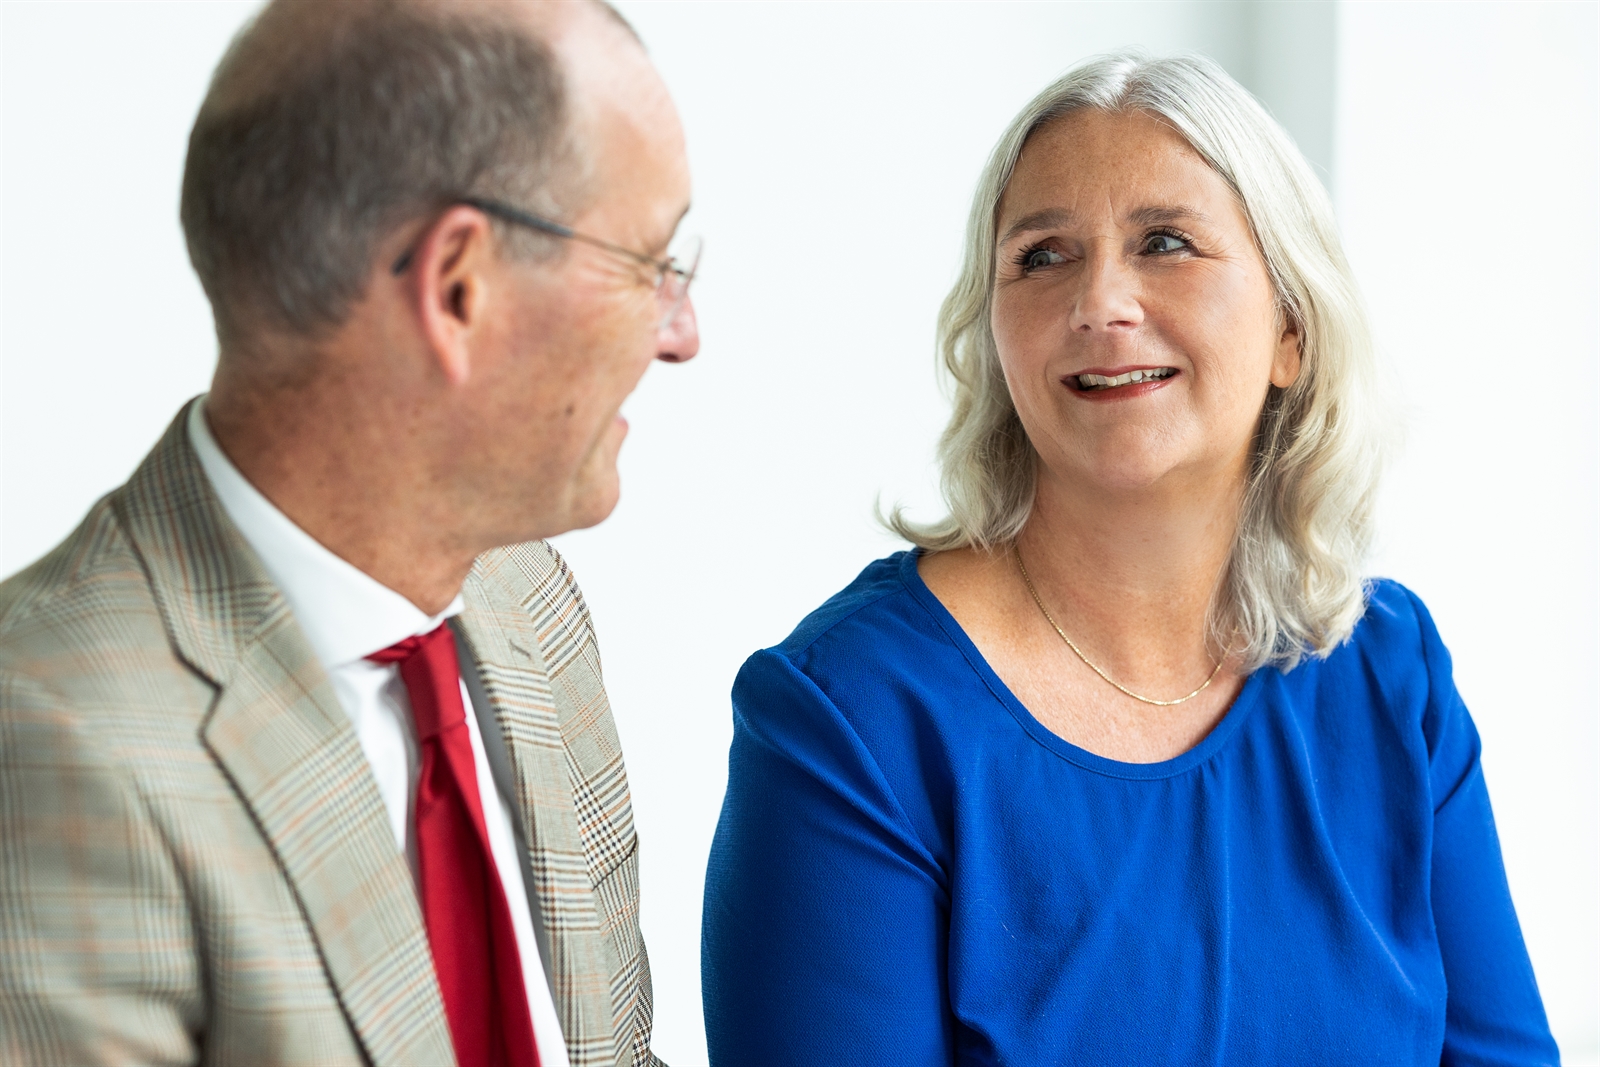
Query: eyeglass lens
[[674, 288]]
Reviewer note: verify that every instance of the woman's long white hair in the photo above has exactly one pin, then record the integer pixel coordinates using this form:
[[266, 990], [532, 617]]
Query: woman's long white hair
[[1293, 584]]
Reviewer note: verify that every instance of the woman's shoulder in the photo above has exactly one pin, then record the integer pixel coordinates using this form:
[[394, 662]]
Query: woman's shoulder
[[1394, 662], [876, 635], [877, 595], [876, 615], [1396, 628]]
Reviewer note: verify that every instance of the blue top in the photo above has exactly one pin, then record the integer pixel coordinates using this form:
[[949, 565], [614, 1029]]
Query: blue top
[[911, 869]]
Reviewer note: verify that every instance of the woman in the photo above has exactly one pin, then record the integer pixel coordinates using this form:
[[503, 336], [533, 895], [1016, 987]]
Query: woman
[[1125, 764]]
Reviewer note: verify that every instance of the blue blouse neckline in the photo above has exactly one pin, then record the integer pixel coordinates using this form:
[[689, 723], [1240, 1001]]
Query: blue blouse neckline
[[1248, 697]]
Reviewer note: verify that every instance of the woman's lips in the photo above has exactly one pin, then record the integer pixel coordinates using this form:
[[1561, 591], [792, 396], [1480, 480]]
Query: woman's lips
[[1117, 383]]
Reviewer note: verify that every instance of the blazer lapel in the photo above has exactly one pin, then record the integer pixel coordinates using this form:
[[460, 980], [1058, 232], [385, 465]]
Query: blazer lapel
[[500, 635], [280, 735]]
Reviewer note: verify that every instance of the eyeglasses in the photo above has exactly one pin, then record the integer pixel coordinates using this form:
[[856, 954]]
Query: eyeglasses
[[672, 274]]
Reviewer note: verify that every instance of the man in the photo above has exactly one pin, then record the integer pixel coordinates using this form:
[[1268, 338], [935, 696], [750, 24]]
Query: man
[[297, 763]]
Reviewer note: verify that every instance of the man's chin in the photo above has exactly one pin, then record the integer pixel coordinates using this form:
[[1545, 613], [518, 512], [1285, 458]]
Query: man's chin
[[597, 510], [599, 485], [594, 499], [596, 487]]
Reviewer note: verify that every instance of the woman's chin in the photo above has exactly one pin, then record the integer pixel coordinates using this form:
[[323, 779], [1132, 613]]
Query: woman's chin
[[1127, 482], [1118, 471]]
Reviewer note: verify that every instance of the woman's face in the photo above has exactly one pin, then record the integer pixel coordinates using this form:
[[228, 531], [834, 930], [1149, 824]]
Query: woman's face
[[1133, 315]]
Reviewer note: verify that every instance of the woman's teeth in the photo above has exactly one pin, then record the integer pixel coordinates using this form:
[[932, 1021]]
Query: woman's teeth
[[1100, 381]]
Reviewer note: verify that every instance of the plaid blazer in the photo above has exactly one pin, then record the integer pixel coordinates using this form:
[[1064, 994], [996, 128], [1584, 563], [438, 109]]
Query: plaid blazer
[[195, 863]]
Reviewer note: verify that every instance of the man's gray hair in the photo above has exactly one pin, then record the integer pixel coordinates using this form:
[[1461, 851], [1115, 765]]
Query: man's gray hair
[[1294, 582], [322, 132]]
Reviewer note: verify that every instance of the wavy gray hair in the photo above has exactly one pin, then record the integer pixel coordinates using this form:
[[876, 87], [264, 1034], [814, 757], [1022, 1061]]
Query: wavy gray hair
[[1293, 584]]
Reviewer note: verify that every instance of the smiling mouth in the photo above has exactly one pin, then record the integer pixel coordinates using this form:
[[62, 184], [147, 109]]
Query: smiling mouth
[[1096, 383]]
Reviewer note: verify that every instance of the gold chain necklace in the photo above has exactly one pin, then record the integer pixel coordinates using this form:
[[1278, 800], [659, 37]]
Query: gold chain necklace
[[1158, 703]]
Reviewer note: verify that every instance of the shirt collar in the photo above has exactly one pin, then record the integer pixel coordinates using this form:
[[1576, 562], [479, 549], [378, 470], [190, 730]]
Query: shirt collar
[[345, 613]]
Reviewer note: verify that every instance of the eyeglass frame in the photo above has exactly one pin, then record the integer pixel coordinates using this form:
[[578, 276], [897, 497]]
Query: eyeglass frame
[[664, 268]]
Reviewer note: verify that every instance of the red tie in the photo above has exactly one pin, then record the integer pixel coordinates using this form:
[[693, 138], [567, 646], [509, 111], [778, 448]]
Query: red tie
[[463, 903]]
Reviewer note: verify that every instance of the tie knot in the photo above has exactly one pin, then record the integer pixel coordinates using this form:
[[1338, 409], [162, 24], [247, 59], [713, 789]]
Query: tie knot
[[401, 651], [432, 675]]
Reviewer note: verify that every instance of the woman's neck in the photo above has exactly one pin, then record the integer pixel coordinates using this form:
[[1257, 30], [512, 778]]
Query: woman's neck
[[1131, 575]]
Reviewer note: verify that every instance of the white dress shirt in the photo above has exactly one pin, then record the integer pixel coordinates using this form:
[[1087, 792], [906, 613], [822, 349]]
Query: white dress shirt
[[346, 615]]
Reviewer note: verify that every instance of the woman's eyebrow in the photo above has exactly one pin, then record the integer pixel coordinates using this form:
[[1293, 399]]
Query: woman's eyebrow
[[1049, 218], [1155, 216], [1038, 220]]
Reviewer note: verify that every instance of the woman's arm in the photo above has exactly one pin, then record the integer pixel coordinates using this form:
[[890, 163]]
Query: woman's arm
[[1494, 1015], [825, 927]]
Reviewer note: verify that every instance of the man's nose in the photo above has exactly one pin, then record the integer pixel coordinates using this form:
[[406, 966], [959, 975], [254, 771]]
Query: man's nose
[[679, 340]]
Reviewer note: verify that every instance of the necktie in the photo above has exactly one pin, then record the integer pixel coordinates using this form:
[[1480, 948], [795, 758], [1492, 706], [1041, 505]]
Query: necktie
[[463, 903]]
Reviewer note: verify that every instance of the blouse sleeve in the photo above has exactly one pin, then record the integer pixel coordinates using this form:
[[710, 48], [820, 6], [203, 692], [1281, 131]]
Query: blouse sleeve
[[1493, 1014], [824, 935]]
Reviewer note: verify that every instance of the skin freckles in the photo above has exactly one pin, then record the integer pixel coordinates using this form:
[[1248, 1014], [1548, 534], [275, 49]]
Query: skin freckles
[[1118, 284], [1120, 249]]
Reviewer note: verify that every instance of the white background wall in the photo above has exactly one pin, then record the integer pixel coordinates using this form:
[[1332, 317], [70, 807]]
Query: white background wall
[[1468, 170], [834, 148]]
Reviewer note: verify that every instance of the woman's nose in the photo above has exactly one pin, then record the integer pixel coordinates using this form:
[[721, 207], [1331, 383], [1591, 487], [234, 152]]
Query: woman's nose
[[1108, 297], [679, 340]]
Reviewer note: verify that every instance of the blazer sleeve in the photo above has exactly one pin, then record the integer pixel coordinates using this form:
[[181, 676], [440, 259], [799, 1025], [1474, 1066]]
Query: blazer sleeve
[[1493, 1012], [824, 938], [97, 953]]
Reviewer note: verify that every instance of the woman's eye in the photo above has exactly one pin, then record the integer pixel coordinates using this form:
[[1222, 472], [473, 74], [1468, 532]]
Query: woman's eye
[[1157, 243], [1035, 258]]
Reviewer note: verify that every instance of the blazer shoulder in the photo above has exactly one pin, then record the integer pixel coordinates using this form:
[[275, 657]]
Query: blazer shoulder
[[86, 595], [85, 654]]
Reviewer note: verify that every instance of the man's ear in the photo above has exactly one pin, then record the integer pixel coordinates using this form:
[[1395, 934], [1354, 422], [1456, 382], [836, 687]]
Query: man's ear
[[1286, 360], [449, 285]]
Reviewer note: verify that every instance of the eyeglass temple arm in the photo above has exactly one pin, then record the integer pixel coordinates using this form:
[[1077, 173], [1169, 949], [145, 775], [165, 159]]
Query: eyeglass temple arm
[[536, 222], [504, 212], [521, 218], [507, 213]]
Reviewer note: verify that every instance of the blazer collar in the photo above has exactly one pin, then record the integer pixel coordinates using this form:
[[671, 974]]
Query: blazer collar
[[279, 734], [343, 612], [208, 585], [498, 630]]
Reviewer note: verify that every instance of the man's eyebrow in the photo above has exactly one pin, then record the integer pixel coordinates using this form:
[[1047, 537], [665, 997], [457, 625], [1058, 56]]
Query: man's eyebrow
[[673, 233]]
